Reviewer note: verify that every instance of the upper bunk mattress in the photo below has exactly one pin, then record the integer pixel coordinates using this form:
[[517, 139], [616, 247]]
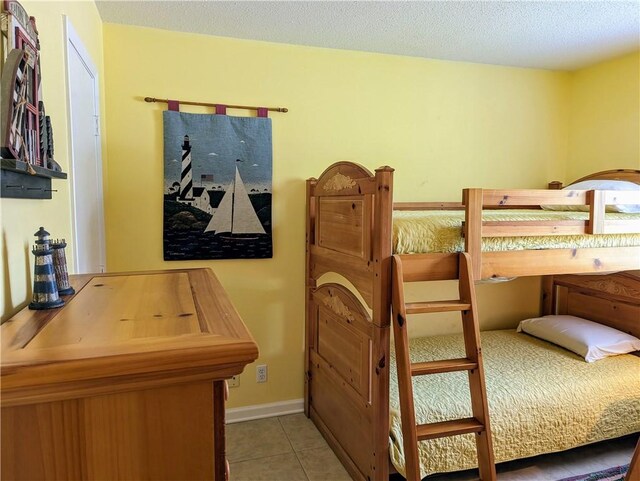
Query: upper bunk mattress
[[542, 399], [418, 232]]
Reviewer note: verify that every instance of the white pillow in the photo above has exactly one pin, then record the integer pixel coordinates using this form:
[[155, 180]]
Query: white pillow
[[601, 185], [589, 339]]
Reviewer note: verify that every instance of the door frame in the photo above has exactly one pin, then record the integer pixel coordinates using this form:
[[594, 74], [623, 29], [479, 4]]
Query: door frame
[[72, 41]]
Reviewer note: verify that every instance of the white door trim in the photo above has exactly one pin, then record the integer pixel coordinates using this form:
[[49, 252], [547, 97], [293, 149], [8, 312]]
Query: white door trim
[[72, 41]]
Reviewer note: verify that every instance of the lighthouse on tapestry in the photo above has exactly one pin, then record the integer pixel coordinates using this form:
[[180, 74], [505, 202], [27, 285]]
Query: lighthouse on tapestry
[[186, 176]]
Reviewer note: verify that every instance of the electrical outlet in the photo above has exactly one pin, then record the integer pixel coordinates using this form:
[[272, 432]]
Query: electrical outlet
[[261, 373], [234, 381]]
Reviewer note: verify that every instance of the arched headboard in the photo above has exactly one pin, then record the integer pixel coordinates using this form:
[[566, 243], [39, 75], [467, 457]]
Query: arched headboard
[[630, 175]]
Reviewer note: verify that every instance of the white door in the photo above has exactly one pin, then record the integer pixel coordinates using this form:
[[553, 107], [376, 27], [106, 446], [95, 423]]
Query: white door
[[86, 164]]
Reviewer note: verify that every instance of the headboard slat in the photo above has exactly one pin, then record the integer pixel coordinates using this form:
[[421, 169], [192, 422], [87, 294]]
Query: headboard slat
[[612, 300], [622, 316]]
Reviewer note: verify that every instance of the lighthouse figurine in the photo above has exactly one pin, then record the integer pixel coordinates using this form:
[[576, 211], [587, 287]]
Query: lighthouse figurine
[[60, 268], [45, 289]]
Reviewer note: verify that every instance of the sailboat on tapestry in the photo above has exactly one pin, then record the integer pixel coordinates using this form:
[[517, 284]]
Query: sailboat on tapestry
[[235, 214], [217, 196]]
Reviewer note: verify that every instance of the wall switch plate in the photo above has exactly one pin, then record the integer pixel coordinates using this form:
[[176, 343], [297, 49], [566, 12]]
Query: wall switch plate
[[234, 381], [261, 373]]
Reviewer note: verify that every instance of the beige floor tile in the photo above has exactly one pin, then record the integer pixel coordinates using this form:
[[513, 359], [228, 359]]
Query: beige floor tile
[[320, 464], [467, 475], [301, 432], [528, 474], [622, 451], [256, 439], [618, 459], [583, 461], [539, 468], [284, 467]]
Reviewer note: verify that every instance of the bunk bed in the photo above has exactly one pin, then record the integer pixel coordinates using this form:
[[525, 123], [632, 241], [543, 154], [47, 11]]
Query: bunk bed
[[351, 235]]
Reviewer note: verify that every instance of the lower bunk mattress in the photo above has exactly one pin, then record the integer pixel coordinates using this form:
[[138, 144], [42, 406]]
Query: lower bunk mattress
[[542, 399]]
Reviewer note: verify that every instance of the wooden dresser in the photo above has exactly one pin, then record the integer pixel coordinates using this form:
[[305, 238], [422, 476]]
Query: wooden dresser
[[125, 382]]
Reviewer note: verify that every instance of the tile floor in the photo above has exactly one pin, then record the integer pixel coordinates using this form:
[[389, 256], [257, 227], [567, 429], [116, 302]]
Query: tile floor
[[286, 448], [290, 448]]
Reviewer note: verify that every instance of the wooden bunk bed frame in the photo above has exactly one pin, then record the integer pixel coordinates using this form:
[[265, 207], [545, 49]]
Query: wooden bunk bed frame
[[349, 232]]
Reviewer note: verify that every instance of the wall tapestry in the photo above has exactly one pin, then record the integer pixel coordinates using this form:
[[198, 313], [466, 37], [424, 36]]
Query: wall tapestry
[[217, 184]]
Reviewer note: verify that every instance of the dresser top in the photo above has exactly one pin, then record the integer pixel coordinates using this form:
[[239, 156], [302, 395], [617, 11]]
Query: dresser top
[[125, 327]]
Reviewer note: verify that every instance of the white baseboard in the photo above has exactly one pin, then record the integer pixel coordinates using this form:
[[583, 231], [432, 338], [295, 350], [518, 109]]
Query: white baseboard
[[259, 411]]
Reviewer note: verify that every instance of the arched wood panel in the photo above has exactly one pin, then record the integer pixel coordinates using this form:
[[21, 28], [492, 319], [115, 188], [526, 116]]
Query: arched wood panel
[[630, 175], [347, 382]]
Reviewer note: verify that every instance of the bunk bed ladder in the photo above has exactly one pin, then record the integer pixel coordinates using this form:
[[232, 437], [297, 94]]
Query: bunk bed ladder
[[479, 423]]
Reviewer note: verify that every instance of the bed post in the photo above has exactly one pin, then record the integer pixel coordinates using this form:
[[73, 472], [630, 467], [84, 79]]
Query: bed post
[[310, 284], [382, 232], [596, 199], [548, 296], [472, 200], [382, 246]]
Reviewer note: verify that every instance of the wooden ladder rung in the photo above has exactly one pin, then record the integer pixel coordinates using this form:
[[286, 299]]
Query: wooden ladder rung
[[436, 306], [454, 427], [445, 365]]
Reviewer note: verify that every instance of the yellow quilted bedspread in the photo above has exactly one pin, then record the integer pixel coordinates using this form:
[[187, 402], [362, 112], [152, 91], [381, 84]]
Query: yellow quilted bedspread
[[440, 231], [542, 399]]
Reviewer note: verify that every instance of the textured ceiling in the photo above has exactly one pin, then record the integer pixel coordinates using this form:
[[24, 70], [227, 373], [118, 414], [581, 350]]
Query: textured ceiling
[[543, 34]]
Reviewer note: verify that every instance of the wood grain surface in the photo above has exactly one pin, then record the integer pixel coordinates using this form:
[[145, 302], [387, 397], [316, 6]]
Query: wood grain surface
[[126, 381], [124, 328], [349, 233]]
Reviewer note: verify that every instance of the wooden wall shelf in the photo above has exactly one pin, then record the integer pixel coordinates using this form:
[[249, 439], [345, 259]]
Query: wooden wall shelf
[[16, 182]]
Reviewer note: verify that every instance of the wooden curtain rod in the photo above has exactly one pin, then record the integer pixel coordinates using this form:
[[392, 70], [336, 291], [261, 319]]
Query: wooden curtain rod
[[204, 104]]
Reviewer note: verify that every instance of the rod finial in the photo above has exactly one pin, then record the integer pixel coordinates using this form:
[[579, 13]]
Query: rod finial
[[283, 109], [149, 99]]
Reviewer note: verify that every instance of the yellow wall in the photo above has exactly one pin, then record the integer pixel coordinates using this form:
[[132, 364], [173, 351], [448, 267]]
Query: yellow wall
[[605, 117], [442, 125], [21, 218]]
